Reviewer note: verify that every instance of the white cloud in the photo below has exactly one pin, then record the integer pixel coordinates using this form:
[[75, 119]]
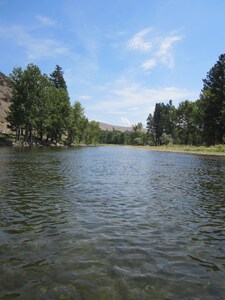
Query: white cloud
[[45, 21], [125, 122], [149, 64], [133, 102], [138, 42], [137, 98], [164, 53], [159, 47]]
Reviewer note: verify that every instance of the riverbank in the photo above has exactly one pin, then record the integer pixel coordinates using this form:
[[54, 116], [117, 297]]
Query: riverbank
[[218, 150], [9, 140]]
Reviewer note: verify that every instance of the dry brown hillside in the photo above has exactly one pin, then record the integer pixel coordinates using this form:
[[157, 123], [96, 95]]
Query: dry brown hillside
[[109, 127], [5, 94]]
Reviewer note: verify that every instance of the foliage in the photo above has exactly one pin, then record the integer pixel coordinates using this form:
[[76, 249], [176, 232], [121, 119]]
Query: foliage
[[161, 122], [58, 113], [213, 98], [57, 78], [137, 136], [193, 123], [40, 107]]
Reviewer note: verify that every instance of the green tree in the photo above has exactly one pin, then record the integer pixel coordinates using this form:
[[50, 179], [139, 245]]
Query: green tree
[[57, 78], [161, 121], [59, 113], [151, 129], [77, 124], [93, 133], [213, 98], [43, 108], [185, 122], [16, 114], [137, 134], [27, 90]]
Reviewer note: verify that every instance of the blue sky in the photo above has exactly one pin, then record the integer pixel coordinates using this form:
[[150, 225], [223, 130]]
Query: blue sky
[[119, 57]]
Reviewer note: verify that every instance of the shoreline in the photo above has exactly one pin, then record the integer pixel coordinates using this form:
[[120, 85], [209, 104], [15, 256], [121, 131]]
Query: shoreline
[[218, 150], [170, 149]]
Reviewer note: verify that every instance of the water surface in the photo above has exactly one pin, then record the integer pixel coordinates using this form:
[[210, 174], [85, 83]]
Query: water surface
[[111, 223]]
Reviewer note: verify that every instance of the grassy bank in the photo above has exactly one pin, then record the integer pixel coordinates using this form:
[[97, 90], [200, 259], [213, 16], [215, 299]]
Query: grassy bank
[[213, 150]]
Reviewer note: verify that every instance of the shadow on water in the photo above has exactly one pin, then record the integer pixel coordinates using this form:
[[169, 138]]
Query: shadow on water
[[111, 223]]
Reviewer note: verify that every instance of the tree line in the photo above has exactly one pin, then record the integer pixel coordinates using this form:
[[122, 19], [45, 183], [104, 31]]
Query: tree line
[[40, 109], [201, 122], [136, 136]]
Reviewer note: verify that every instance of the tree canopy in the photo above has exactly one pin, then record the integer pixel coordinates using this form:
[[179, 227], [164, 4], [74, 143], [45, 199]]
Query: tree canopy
[[40, 107], [193, 122], [213, 100]]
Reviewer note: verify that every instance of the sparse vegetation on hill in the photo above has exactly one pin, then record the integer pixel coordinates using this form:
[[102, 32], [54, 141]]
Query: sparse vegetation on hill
[[5, 95]]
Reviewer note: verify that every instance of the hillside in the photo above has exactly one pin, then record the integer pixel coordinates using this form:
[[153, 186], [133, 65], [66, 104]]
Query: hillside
[[109, 127], [5, 94]]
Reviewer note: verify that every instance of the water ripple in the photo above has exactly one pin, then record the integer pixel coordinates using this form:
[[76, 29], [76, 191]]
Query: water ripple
[[111, 223]]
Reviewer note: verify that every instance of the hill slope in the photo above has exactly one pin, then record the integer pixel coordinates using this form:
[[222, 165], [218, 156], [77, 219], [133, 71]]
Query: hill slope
[[109, 127], [5, 94]]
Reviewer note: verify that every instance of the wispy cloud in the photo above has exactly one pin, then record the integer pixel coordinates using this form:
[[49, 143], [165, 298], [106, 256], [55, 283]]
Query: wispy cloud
[[135, 99], [164, 52], [149, 64], [36, 48], [46, 21], [158, 47], [139, 41]]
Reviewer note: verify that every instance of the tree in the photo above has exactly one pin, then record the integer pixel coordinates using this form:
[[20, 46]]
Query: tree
[[27, 90], [77, 124], [151, 128], [213, 98], [43, 108], [185, 122], [137, 134], [161, 122], [57, 78], [16, 112], [93, 132], [59, 113]]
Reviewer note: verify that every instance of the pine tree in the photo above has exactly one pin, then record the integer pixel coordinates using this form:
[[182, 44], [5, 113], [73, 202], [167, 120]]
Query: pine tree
[[57, 78], [213, 97]]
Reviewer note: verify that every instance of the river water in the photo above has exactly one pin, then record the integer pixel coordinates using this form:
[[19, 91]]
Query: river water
[[111, 223]]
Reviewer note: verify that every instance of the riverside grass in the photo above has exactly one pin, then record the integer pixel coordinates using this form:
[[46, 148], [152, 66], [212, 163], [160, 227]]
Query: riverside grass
[[213, 150]]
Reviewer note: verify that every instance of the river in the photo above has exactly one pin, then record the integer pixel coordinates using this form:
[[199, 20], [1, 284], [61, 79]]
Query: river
[[111, 223]]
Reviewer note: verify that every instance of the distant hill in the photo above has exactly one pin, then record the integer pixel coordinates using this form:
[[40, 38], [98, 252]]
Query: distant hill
[[109, 127], [5, 94]]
